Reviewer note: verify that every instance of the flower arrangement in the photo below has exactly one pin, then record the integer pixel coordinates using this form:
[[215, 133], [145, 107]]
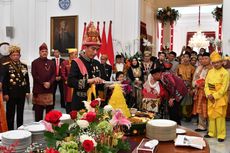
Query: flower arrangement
[[95, 129], [9, 149], [167, 15], [217, 13]]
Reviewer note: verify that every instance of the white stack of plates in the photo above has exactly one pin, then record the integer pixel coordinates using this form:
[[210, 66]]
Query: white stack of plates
[[37, 129], [65, 118], [21, 137], [161, 129]]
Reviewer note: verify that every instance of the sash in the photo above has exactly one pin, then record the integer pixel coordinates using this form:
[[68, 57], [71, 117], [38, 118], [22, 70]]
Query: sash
[[81, 66]]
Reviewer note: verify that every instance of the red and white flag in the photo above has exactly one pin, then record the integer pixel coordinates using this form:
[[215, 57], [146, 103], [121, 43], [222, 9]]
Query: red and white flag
[[102, 49], [109, 46]]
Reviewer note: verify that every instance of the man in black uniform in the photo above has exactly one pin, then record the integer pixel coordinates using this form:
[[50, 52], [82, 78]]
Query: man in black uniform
[[16, 87], [85, 72]]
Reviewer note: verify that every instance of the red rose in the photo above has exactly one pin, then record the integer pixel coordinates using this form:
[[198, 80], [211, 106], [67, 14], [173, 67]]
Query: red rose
[[73, 114], [53, 117], [94, 103], [88, 145], [51, 150], [90, 116]]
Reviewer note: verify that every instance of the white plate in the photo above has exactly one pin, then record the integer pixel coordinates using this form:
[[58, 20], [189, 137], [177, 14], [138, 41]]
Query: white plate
[[65, 117], [16, 134], [162, 123], [35, 128], [180, 131], [0, 136]]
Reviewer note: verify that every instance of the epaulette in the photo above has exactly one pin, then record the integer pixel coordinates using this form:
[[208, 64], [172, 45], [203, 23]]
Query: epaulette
[[5, 63]]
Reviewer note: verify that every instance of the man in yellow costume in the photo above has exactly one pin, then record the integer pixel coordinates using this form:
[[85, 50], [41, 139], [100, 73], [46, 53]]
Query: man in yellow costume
[[216, 86]]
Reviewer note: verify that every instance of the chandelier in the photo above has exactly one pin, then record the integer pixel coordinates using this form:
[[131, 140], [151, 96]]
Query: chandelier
[[198, 40]]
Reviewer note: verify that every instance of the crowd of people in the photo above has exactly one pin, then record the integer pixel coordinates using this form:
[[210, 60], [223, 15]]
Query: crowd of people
[[192, 86]]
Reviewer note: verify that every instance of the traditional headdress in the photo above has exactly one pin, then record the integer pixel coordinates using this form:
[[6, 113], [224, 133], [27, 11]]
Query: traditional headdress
[[91, 36], [147, 53], [72, 50], [215, 57], [14, 49], [43, 46]]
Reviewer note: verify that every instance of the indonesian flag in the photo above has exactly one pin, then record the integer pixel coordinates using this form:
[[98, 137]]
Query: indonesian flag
[[82, 46], [102, 49], [109, 47]]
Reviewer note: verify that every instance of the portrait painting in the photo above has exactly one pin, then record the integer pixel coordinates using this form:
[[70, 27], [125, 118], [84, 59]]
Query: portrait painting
[[64, 33]]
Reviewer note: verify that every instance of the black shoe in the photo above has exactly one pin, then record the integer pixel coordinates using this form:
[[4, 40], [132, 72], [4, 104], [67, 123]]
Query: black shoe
[[200, 130], [207, 136], [220, 140]]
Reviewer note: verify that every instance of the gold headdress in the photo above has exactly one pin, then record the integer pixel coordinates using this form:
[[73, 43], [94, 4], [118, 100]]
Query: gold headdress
[[215, 56], [14, 48]]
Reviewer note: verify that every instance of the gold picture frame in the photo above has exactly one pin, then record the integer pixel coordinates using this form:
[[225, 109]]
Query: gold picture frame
[[64, 33]]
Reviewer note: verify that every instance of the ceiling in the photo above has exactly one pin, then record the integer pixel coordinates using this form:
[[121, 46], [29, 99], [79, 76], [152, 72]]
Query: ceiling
[[179, 3]]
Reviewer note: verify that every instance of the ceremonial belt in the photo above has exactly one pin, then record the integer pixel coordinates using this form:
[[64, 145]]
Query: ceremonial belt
[[211, 86]]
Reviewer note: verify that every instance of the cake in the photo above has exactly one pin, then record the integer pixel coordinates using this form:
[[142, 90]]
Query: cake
[[161, 129]]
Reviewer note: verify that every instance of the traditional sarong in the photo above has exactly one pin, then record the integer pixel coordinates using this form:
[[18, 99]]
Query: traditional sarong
[[43, 99]]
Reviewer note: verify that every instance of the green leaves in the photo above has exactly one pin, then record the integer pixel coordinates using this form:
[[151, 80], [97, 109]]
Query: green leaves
[[59, 134], [167, 15], [218, 13]]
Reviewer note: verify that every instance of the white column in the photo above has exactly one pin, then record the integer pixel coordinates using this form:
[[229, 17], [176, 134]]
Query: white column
[[226, 25]]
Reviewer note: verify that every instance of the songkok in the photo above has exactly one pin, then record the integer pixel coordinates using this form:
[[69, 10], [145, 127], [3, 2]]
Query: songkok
[[43, 47], [167, 65], [91, 36], [206, 54], [147, 53], [156, 70], [215, 57], [14, 49], [72, 50]]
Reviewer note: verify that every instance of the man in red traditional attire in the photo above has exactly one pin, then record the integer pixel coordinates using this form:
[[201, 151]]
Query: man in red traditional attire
[[43, 72], [85, 72], [65, 69]]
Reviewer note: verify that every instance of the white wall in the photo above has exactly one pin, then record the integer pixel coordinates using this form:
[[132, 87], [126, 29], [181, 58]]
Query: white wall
[[31, 20], [226, 25]]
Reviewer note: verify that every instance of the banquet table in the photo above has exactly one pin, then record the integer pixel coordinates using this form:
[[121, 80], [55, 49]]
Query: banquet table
[[168, 146]]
